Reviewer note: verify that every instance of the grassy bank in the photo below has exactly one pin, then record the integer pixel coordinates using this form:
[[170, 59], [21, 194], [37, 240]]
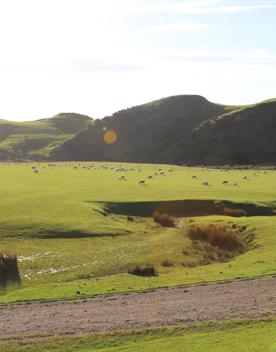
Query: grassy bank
[[258, 336]]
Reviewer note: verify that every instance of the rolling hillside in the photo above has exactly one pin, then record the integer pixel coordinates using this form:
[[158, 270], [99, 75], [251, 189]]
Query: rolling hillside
[[144, 132], [179, 129], [35, 139], [246, 136]]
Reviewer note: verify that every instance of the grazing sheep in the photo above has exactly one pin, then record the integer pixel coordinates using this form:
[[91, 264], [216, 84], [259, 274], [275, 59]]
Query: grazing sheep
[[35, 171], [194, 176], [161, 173], [33, 167], [150, 177], [121, 177], [245, 177], [224, 182], [205, 183], [142, 182]]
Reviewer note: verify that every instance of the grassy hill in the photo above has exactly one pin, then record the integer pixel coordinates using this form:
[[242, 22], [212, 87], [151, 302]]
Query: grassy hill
[[144, 132], [245, 136], [179, 129], [35, 139]]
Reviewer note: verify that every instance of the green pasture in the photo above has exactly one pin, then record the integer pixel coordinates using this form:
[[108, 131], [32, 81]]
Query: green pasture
[[257, 336], [69, 245]]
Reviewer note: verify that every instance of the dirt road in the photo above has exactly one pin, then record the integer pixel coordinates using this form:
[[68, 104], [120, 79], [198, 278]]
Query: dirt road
[[245, 299]]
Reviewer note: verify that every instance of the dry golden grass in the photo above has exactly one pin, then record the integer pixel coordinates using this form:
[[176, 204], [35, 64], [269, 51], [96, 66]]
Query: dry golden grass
[[220, 236], [164, 219], [237, 213]]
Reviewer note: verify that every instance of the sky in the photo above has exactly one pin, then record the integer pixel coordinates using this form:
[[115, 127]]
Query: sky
[[96, 57]]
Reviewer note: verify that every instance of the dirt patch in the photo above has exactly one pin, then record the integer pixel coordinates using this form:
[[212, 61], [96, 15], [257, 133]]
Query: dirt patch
[[236, 300]]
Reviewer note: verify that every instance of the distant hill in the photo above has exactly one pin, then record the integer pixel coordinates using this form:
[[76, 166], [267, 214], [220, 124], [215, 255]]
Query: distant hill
[[145, 132], [35, 140], [184, 129], [246, 136]]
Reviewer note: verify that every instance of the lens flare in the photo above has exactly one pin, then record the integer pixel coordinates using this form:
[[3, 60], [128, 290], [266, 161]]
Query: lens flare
[[110, 137]]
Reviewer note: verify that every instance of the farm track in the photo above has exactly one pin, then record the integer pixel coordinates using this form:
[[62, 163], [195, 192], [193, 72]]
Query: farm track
[[235, 300]]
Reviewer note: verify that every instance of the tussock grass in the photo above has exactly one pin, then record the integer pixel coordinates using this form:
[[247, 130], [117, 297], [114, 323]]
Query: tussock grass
[[164, 219], [167, 263], [220, 236], [237, 213]]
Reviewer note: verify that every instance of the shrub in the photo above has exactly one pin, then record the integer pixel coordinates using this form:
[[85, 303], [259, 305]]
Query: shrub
[[164, 219], [146, 271], [8, 269], [219, 236], [237, 213], [166, 263]]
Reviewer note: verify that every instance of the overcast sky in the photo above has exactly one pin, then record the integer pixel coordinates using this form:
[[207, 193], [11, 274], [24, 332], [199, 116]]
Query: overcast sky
[[98, 56]]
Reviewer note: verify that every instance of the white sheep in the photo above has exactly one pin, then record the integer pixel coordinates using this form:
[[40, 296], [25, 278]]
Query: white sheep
[[142, 182], [205, 183], [224, 182]]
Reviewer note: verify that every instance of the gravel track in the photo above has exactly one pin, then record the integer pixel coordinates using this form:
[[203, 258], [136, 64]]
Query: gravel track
[[235, 300]]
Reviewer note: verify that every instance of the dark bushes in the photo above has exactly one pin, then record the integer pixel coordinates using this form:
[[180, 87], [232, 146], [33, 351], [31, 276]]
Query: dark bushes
[[219, 236], [146, 271]]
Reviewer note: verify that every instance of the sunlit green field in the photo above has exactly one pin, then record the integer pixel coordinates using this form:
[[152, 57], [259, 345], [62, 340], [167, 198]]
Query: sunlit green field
[[258, 336], [68, 245]]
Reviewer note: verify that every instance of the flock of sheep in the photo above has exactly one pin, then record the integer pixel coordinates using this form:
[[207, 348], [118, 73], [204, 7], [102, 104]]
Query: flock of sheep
[[226, 182], [158, 172]]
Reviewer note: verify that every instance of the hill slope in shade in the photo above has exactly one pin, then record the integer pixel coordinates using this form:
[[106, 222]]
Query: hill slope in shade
[[145, 133], [246, 136], [35, 139]]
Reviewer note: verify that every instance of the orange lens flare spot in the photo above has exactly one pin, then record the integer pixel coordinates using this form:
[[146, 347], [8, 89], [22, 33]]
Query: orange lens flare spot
[[110, 137]]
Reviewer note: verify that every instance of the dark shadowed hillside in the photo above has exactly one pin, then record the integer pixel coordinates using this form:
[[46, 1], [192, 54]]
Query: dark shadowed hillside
[[247, 136], [35, 139], [145, 133], [179, 129]]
